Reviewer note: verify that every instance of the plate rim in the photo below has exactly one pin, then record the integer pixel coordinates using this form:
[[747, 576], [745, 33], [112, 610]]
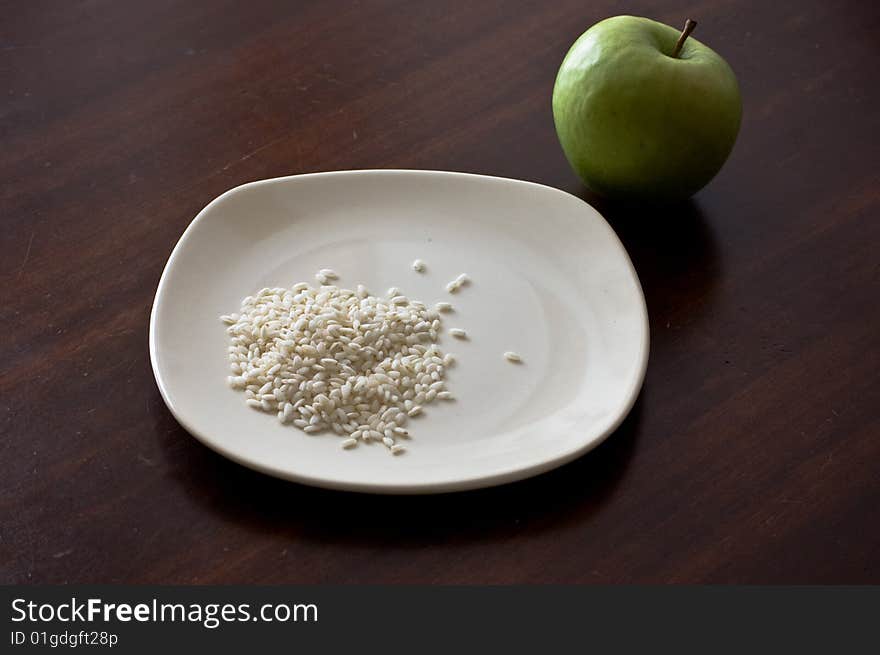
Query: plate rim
[[465, 483]]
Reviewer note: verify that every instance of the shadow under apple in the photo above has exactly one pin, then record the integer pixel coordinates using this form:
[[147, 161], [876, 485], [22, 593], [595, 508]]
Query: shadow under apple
[[675, 253]]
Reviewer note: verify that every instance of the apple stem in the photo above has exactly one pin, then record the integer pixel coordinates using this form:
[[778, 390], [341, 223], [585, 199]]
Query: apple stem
[[685, 33]]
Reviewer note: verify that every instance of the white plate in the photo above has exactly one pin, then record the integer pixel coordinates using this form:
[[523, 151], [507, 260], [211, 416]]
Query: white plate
[[551, 281]]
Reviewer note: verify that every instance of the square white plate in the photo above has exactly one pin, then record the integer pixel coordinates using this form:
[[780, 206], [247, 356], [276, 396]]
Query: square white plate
[[551, 281]]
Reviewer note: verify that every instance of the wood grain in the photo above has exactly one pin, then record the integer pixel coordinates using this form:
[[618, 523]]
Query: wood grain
[[752, 454]]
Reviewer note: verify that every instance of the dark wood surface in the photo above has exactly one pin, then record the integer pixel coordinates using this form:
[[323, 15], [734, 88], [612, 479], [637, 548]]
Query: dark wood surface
[[753, 454]]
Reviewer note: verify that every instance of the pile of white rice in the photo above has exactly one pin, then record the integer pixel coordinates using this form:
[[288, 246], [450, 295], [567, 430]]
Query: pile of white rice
[[328, 358]]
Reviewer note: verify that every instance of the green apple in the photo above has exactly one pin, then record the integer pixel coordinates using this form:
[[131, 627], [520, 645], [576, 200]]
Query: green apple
[[644, 112]]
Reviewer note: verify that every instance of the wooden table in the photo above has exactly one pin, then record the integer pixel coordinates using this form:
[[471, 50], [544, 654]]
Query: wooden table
[[753, 454]]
